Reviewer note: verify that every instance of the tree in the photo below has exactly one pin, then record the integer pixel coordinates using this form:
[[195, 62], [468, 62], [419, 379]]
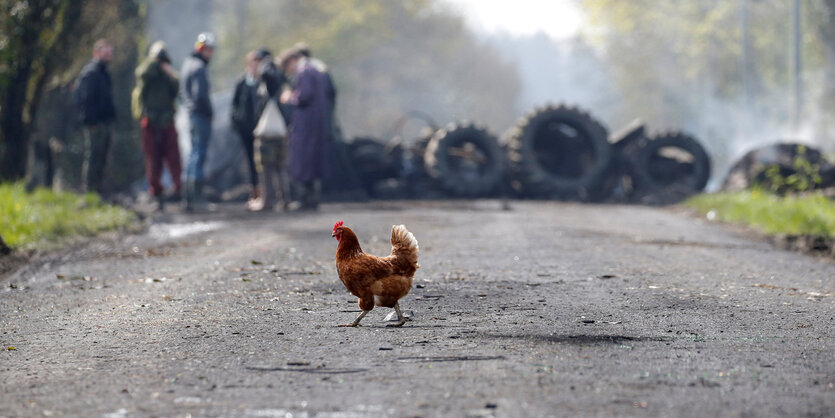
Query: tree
[[30, 34], [719, 69]]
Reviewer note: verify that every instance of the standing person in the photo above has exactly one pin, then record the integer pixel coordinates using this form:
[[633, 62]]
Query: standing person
[[271, 135], [271, 155], [309, 127], [156, 97], [94, 97], [330, 87], [245, 113], [273, 80], [195, 91]]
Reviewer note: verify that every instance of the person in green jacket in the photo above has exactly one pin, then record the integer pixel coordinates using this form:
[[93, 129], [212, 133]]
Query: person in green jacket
[[154, 101]]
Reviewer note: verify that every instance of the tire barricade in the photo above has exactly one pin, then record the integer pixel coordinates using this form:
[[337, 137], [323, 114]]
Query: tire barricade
[[554, 152]]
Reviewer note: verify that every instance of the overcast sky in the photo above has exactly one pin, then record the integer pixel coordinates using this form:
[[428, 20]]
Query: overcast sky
[[558, 18]]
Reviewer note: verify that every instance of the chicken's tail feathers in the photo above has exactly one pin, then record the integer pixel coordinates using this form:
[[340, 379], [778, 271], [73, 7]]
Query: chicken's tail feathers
[[404, 244]]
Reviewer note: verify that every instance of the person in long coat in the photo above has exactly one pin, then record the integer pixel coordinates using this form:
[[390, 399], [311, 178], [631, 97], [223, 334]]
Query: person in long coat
[[310, 126]]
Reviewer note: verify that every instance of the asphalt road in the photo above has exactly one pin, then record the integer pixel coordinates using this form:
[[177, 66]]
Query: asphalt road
[[547, 309]]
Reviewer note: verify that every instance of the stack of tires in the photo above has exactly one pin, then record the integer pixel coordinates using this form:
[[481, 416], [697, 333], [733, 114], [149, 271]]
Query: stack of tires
[[461, 160], [661, 168], [562, 152], [555, 152]]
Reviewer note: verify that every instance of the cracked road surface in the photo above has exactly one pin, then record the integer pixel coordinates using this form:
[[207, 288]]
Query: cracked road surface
[[546, 309]]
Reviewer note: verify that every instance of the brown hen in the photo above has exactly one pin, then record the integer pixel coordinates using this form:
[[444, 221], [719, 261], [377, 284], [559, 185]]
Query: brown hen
[[376, 281]]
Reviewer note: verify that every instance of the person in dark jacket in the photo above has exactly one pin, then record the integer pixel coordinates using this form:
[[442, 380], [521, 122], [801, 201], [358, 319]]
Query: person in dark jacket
[[94, 97], [245, 113], [273, 80], [156, 91], [310, 128], [195, 90]]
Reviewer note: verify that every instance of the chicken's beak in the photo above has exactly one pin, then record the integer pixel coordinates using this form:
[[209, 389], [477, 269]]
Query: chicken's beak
[[333, 234]]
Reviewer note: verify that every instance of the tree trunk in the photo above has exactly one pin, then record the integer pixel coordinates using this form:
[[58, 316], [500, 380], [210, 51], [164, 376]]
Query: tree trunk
[[13, 126], [15, 136], [28, 78]]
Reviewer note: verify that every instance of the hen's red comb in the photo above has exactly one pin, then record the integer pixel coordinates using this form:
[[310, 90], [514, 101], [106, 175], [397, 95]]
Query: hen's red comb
[[337, 225]]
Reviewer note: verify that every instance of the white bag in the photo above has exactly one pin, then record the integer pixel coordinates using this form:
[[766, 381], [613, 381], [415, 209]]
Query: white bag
[[271, 123]]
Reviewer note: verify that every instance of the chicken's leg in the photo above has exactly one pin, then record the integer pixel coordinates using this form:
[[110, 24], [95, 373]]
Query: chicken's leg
[[356, 321], [400, 318]]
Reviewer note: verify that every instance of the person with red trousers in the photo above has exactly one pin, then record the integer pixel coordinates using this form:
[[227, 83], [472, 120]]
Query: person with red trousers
[[155, 98]]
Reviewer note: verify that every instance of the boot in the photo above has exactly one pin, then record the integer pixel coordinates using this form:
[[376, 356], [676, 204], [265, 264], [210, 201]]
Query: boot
[[310, 196], [199, 196], [188, 196], [160, 204]]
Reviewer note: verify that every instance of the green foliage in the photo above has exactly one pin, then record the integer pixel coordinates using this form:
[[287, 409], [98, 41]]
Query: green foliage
[[794, 214], [805, 177], [43, 45], [687, 63], [32, 35], [38, 218]]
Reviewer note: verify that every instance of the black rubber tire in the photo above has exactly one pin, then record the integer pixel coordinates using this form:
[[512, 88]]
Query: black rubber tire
[[615, 184], [539, 165], [372, 162], [342, 183], [465, 176], [749, 171], [668, 178], [629, 137]]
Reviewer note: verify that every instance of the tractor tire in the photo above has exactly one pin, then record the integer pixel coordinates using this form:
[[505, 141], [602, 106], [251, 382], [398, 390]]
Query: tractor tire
[[614, 185], [465, 160], [630, 137], [670, 167], [372, 162], [558, 152]]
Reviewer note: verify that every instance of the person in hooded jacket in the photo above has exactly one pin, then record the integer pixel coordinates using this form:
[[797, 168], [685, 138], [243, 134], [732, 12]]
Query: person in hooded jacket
[[155, 101]]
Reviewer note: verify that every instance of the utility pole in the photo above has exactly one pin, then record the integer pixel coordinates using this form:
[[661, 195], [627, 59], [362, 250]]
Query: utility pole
[[797, 65], [746, 64]]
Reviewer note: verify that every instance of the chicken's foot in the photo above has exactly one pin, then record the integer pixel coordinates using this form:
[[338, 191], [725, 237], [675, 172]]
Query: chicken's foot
[[356, 321], [400, 318]]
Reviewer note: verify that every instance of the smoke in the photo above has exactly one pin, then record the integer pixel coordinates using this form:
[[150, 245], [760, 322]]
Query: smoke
[[575, 72], [566, 71]]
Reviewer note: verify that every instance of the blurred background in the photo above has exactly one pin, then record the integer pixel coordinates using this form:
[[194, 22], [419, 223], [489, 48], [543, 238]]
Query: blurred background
[[737, 74]]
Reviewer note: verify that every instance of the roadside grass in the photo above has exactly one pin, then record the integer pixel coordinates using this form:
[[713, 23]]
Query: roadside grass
[[38, 219], [807, 214]]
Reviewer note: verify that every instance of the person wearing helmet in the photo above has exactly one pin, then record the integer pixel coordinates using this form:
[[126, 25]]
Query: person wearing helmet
[[195, 90], [155, 97]]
